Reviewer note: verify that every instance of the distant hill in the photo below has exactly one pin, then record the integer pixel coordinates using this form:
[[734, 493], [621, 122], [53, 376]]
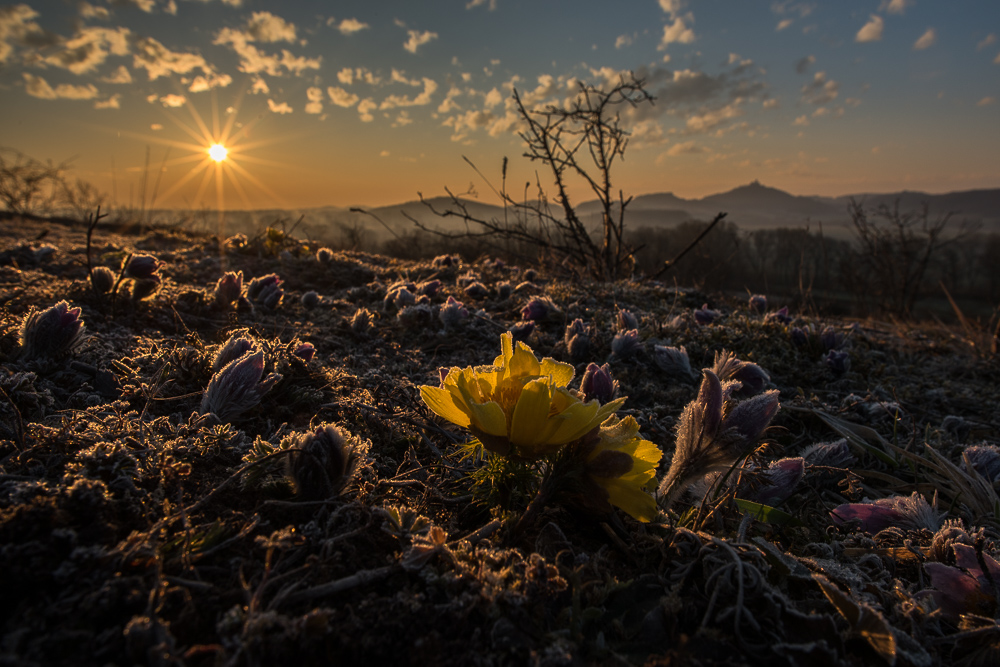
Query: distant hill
[[751, 206]]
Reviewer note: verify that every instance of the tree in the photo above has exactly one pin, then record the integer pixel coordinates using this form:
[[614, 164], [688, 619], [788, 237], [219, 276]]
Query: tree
[[27, 185], [582, 140]]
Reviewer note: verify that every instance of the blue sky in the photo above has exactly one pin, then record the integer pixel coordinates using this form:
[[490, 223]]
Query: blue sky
[[368, 103]]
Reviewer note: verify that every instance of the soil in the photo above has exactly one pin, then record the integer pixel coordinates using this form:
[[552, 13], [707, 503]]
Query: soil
[[138, 527]]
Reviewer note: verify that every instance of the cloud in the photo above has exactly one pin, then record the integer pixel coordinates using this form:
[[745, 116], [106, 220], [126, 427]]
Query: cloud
[[266, 27], [120, 75], [365, 107], [821, 90], [38, 87], [89, 11], [926, 40], [145, 5], [996, 61], [493, 98], [782, 24], [686, 148], [17, 27], [671, 7], [351, 26], [113, 102], [341, 97], [871, 31], [259, 87], [202, 83], [393, 101], [171, 8], [802, 121], [315, 97], [895, 6], [418, 39], [711, 119], [769, 104], [622, 41], [156, 127], [281, 109], [173, 100], [989, 39], [676, 32], [986, 101], [89, 48], [802, 65], [403, 119], [158, 60], [472, 4]]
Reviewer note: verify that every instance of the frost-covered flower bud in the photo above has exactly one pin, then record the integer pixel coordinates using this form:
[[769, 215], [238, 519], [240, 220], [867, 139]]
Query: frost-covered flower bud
[[305, 351], [142, 267], [504, 290], [705, 315], [837, 361], [625, 320], [417, 316], [266, 290], [537, 309], [429, 288], [476, 290], [398, 298], [751, 377], [836, 454], [780, 316], [270, 297], [626, 344], [985, 460], [320, 463], [310, 300], [799, 337], [445, 260], [577, 340], [911, 512], [831, 339], [530, 275], [102, 279], [324, 255], [674, 361], [238, 387], [361, 321], [142, 289], [951, 533], [53, 332], [779, 481], [452, 313], [758, 303], [597, 383], [229, 288], [239, 343], [521, 331]]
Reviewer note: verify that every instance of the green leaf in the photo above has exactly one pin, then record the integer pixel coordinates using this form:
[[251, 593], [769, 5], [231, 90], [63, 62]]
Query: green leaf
[[768, 514]]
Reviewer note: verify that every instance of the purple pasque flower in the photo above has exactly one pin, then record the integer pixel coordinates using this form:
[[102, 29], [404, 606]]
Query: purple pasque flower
[[778, 481], [429, 288], [266, 290], [310, 299], [705, 315], [53, 332], [985, 460], [304, 351], [324, 255], [836, 454], [626, 344], [911, 512], [237, 387], [674, 361], [142, 267], [758, 303], [476, 290], [799, 336], [521, 331], [966, 588], [838, 361], [319, 463], [625, 320], [576, 338], [597, 383], [537, 309], [239, 343], [452, 313], [752, 378], [229, 288], [780, 316], [714, 432], [102, 279], [831, 339]]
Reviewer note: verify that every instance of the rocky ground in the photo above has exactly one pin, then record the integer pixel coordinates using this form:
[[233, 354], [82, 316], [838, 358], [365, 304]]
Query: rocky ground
[[142, 522]]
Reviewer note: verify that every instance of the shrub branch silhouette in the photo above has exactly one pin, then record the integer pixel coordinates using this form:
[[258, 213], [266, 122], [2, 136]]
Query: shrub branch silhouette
[[582, 140]]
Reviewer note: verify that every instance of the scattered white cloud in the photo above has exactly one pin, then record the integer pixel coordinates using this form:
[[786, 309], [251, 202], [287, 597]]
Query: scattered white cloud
[[671, 7], [156, 127], [820, 90], [280, 109], [144, 5], [803, 64], [802, 121], [113, 102], [989, 39], [38, 87], [266, 27], [986, 101], [89, 11], [686, 148], [895, 6], [490, 4], [871, 31], [120, 75], [623, 40], [770, 104], [89, 48], [782, 24], [821, 111], [171, 8], [926, 40], [713, 118], [158, 60], [315, 97], [365, 108], [351, 26], [403, 119], [202, 83], [18, 28], [173, 100], [393, 101], [259, 87], [341, 97], [676, 32], [418, 39]]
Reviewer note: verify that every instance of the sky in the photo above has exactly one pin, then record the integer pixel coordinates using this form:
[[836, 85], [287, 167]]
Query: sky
[[370, 103]]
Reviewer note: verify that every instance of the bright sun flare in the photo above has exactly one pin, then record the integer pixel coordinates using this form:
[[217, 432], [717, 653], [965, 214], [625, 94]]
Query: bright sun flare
[[218, 152]]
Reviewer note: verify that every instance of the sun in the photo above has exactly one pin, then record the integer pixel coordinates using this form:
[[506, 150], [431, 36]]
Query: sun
[[218, 152]]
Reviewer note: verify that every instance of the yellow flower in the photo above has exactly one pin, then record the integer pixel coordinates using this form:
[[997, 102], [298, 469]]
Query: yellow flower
[[519, 406], [623, 465]]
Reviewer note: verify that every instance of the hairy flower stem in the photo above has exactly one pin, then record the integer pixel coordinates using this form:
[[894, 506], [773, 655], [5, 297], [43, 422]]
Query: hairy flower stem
[[549, 489]]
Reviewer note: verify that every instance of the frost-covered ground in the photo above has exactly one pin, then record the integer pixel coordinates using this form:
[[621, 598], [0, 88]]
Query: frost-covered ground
[[144, 522]]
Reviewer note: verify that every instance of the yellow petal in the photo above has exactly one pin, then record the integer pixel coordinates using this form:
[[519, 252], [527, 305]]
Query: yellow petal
[[487, 416], [523, 363], [442, 403], [527, 426], [633, 501], [575, 421], [561, 373]]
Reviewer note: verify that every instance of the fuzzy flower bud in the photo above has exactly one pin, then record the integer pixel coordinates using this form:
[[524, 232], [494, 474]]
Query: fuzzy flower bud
[[985, 460], [310, 300], [780, 316], [836, 454], [398, 298], [674, 361], [758, 304], [361, 321], [504, 290], [968, 588], [626, 344], [238, 344], [837, 361], [320, 463], [142, 267], [799, 337], [324, 255], [238, 387], [577, 340], [538, 309], [705, 315], [476, 290], [229, 288], [625, 320], [265, 290], [831, 339], [442, 261], [53, 332], [102, 279], [597, 383], [429, 288], [911, 512], [779, 481], [521, 331], [452, 313], [305, 351], [751, 377]]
